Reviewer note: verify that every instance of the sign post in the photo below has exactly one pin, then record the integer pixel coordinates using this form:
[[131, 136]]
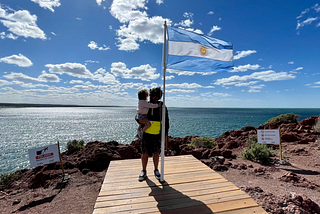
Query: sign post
[[60, 159], [270, 136], [45, 155]]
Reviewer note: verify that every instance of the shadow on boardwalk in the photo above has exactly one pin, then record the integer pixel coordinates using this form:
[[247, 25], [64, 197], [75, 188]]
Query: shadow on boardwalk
[[171, 200]]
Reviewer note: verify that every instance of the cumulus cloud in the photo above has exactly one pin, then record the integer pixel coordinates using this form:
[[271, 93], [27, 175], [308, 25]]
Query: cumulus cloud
[[48, 4], [21, 23], [143, 72], [137, 26], [291, 63], [44, 77], [263, 75], [72, 69], [210, 13], [19, 60], [187, 22], [241, 54], [242, 68], [3, 35], [93, 45]]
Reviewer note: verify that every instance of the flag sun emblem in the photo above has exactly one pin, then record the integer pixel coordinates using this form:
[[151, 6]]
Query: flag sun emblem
[[203, 50]]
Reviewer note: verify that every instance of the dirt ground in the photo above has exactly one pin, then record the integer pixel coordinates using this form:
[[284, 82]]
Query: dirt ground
[[270, 185]]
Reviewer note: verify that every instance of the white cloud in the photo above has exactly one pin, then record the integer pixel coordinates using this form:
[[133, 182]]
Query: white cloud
[[105, 78], [263, 75], [9, 36], [291, 62], [210, 13], [221, 94], [214, 28], [99, 2], [294, 71], [20, 60], [137, 26], [188, 22], [72, 69], [127, 44], [92, 61], [76, 82], [316, 7], [143, 72], [184, 85], [22, 23], [44, 77], [159, 1], [48, 4], [243, 68], [253, 91], [92, 45], [303, 12], [169, 77], [241, 54], [127, 10], [306, 22], [180, 91]]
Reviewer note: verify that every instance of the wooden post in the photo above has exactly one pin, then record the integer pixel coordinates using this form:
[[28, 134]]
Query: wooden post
[[280, 146], [60, 160]]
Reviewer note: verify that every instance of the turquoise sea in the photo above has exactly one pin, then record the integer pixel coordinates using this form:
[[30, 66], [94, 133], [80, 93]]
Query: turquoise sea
[[25, 128]]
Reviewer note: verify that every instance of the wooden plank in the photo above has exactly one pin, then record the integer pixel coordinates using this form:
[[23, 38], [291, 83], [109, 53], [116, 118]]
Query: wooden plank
[[185, 187], [191, 187]]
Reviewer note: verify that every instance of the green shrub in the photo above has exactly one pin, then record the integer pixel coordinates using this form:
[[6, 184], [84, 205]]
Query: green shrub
[[316, 127], [75, 146], [257, 152], [7, 178], [204, 142], [285, 118], [252, 140]]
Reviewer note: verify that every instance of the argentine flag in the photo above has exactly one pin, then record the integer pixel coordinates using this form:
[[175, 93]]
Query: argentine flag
[[189, 51]]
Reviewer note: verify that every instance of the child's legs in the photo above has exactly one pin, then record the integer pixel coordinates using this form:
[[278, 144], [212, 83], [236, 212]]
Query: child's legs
[[146, 122], [140, 126]]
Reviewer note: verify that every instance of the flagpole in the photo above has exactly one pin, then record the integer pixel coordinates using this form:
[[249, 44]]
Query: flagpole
[[163, 106]]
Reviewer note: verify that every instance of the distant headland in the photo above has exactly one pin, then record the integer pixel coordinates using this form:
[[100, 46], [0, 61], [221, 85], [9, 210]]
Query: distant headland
[[22, 105]]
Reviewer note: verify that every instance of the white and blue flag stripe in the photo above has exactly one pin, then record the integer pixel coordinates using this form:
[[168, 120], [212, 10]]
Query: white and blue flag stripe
[[190, 51]]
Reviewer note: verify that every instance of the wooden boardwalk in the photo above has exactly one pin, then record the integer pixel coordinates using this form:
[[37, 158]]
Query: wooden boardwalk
[[190, 187]]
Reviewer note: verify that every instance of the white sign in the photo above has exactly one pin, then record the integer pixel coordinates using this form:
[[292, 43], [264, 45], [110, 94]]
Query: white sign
[[269, 136], [43, 155]]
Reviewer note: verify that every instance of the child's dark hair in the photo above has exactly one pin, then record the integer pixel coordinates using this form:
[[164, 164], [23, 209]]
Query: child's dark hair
[[142, 94]]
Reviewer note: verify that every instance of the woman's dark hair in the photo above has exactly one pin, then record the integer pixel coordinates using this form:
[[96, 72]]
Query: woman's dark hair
[[156, 92]]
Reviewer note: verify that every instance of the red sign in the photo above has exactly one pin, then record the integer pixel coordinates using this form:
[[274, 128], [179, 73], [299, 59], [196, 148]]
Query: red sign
[[44, 156]]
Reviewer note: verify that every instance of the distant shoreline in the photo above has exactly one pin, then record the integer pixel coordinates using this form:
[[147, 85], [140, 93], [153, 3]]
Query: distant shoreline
[[24, 105]]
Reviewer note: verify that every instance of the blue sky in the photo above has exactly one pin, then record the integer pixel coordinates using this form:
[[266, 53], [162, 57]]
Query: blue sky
[[101, 52]]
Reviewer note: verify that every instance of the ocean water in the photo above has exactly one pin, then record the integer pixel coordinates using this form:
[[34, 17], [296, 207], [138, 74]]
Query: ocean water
[[25, 128]]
